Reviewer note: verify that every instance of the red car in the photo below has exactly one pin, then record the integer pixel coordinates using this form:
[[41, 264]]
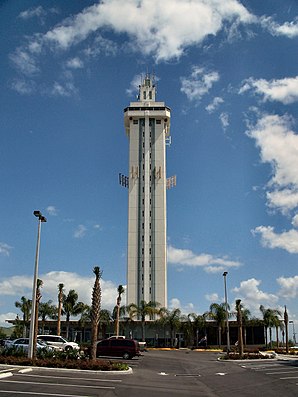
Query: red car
[[126, 348]]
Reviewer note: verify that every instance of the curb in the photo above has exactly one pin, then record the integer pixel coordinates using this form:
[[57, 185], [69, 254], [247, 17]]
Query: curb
[[84, 371]]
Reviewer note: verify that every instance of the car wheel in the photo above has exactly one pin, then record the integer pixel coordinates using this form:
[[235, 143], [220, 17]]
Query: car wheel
[[126, 356], [68, 348]]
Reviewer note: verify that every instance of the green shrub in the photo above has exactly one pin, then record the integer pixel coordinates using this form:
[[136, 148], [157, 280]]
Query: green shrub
[[63, 362]]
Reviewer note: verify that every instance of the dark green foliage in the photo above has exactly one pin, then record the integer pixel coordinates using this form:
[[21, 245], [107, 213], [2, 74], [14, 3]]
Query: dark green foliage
[[57, 362]]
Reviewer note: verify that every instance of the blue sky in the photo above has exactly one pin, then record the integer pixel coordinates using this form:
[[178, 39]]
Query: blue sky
[[228, 71]]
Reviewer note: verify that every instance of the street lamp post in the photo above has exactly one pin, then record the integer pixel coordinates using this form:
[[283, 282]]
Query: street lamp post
[[41, 219], [227, 313], [286, 320]]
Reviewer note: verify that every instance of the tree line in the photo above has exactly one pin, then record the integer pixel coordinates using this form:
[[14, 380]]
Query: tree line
[[70, 306]]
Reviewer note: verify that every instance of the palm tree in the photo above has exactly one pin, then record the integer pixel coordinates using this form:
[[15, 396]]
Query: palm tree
[[47, 309], [95, 310], [162, 320], [174, 322], [271, 319], [246, 315], [25, 306], [71, 307], [197, 322], [217, 312], [240, 332], [60, 302], [120, 291], [105, 319], [141, 311]]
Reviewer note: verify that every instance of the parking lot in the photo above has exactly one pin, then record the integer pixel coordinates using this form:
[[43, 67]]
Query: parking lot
[[15, 381], [159, 373]]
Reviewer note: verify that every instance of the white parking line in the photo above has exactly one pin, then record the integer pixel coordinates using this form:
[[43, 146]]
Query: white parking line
[[7, 370], [289, 377], [5, 375], [68, 377], [59, 384], [264, 367], [281, 372], [32, 393], [25, 370]]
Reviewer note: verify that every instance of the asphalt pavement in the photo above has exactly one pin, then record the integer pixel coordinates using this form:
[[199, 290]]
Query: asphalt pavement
[[160, 374]]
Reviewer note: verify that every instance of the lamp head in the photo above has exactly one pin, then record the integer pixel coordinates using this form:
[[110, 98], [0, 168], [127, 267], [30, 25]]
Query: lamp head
[[37, 214], [225, 273]]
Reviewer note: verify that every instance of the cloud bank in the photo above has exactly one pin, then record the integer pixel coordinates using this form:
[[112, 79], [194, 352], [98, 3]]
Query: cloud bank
[[278, 145], [210, 263]]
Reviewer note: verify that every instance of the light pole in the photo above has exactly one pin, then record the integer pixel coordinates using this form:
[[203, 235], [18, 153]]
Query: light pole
[[294, 333], [41, 219], [227, 313]]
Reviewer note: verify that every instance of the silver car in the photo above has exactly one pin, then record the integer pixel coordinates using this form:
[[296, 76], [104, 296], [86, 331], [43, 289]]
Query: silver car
[[58, 343], [23, 344]]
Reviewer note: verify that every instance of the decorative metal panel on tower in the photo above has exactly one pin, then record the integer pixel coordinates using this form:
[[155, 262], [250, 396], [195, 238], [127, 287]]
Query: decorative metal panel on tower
[[147, 125]]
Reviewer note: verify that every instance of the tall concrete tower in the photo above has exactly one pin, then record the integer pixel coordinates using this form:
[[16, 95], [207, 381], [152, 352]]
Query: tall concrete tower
[[147, 125]]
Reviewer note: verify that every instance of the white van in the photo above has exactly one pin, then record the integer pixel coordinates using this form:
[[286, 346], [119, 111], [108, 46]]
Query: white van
[[58, 342]]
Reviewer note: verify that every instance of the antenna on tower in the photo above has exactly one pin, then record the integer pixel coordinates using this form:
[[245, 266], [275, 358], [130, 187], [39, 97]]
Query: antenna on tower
[[153, 76]]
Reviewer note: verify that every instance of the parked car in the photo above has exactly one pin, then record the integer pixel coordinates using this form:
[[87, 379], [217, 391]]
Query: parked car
[[59, 343], [23, 344], [126, 348]]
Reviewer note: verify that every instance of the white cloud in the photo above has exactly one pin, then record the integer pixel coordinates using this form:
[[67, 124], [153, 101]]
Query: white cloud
[[288, 29], [5, 249], [75, 63], [65, 90], [51, 210], [80, 231], [185, 309], [134, 85], [24, 61], [18, 286], [38, 12], [23, 87], [295, 221], [212, 297], [278, 146], [284, 200], [209, 262], [252, 297], [6, 316], [286, 240], [214, 104], [198, 83], [224, 119], [163, 29], [99, 46], [289, 287], [282, 90]]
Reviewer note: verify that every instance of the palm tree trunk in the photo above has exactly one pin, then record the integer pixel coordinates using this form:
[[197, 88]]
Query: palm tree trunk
[[219, 336], [143, 330], [277, 339], [59, 319], [67, 325]]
